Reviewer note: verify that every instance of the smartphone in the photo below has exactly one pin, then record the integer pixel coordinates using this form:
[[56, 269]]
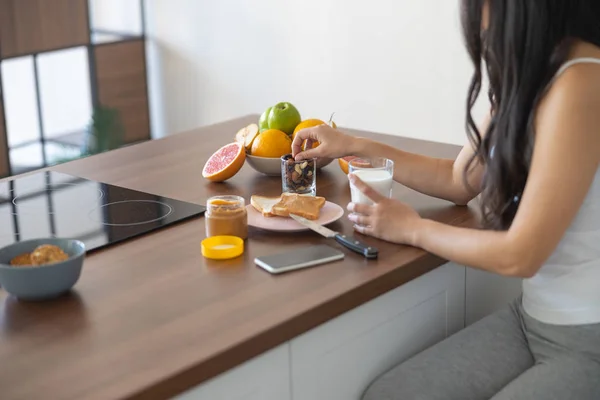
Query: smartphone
[[299, 258]]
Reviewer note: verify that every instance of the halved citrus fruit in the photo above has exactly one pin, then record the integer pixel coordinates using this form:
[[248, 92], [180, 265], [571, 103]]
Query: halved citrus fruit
[[344, 163], [271, 143], [225, 162]]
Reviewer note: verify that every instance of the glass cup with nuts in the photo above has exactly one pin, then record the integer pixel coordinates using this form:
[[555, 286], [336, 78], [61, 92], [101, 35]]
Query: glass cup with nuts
[[299, 176]]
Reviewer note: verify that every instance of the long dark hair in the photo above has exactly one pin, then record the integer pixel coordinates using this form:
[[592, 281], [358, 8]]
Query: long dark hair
[[524, 45]]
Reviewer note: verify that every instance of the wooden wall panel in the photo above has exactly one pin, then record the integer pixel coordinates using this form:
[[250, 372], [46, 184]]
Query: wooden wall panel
[[30, 26], [121, 72], [4, 157]]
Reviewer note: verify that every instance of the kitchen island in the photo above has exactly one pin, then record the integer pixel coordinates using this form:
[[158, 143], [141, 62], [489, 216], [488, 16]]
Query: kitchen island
[[150, 318]]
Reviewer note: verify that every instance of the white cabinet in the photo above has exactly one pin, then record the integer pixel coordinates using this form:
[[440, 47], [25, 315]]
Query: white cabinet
[[487, 292], [266, 377], [337, 360]]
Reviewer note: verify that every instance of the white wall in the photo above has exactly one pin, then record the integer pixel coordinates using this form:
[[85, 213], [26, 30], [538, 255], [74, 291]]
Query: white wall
[[393, 66]]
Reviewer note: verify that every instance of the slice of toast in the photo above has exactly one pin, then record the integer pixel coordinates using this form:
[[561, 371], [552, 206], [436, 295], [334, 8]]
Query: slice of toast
[[264, 205], [305, 206], [308, 207]]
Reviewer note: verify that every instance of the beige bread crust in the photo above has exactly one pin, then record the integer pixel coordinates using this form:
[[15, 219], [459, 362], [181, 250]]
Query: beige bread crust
[[308, 207], [259, 203]]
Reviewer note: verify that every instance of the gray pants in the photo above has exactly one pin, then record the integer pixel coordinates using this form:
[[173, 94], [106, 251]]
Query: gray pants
[[507, 355]]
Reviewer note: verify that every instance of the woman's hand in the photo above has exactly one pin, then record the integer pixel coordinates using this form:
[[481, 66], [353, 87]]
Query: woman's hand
[[332, 143], [387, 219]]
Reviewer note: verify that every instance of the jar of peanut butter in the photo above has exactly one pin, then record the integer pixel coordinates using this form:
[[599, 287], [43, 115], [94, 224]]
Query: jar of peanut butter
[[226, 216]]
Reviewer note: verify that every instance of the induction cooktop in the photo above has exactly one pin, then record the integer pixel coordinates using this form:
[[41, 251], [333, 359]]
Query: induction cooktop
[[52, 204]]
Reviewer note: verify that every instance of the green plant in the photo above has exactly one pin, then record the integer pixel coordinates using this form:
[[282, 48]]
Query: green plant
[[105, 132]]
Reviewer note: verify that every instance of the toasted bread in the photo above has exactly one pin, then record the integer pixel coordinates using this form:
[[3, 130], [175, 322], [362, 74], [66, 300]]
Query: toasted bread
[[308, 207], [264, 205]]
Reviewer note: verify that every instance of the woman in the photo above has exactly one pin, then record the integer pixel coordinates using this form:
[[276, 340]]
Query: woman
[[535, 166]]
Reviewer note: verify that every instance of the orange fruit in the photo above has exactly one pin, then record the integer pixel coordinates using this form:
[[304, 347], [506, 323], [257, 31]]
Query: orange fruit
[[309, 123], [271, 143], [225, 162], [344, 163]]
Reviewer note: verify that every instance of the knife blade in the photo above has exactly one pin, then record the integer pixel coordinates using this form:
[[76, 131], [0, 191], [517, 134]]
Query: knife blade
[[347, 241]]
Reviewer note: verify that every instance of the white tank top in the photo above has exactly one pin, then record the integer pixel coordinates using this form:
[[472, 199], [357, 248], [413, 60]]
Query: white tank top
[[566, 290]]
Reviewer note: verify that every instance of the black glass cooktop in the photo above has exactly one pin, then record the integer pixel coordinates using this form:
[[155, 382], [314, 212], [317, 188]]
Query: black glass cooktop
[[51, 204]]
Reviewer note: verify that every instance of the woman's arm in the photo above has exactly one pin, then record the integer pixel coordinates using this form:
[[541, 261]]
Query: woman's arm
[[432, 176], [437, 177], [565, 161]]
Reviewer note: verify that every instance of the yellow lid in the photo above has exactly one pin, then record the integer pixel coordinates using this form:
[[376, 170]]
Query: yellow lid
[[222, 247]]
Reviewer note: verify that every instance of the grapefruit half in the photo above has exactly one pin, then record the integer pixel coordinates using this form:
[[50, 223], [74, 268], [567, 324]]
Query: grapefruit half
[[225, 162], [344, 163]]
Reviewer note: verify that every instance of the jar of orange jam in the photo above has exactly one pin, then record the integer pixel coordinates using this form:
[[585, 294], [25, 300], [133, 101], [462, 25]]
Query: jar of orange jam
[[226, 216]]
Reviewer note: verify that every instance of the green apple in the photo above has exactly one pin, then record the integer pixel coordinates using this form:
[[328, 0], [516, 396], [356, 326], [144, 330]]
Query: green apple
[[263, 122], [285, 117]]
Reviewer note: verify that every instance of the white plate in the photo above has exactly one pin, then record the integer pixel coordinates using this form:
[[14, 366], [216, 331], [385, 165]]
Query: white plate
[[330, 213]]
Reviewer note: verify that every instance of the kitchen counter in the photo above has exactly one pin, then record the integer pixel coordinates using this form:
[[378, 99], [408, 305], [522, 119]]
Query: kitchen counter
[[150, 318]]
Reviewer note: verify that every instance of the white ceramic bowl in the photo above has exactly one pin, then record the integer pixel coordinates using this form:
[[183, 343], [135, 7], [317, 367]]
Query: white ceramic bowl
[[267, 166], [272, 166]]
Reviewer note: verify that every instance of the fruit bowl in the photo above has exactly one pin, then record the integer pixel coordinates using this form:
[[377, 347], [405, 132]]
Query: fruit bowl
[[272, 166], [267, 166]]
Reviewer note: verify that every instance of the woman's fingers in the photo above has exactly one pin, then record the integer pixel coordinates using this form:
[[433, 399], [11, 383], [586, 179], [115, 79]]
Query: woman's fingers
[[363, 209], [305, 134], [308, 154], [365, 230], [359, 219], [366, 189]]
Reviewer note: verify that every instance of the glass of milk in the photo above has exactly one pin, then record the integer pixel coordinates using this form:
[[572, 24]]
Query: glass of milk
[[375, 172]]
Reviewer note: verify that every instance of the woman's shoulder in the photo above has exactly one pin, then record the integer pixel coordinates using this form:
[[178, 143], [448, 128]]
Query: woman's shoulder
[[570, 110], [580, 73], [575, 90]]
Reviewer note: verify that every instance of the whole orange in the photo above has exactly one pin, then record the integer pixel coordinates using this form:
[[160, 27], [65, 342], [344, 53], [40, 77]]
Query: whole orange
[[271, 143], [309, 123]]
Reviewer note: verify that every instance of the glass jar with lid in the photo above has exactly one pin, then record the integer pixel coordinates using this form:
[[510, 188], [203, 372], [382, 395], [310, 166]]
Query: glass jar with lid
[[226, 216]]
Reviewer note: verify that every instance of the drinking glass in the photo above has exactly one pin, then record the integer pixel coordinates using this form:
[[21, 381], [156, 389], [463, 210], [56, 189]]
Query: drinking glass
[[375, 172], [298, 176]]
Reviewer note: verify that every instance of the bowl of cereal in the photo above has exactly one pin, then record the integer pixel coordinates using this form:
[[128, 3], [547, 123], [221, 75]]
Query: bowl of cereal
[[41, 269]]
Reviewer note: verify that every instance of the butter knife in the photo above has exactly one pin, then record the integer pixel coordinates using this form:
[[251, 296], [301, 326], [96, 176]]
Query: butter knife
[[347, 241]]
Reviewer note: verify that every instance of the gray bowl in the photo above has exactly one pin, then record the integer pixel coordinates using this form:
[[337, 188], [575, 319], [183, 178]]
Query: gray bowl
[[41, 282]]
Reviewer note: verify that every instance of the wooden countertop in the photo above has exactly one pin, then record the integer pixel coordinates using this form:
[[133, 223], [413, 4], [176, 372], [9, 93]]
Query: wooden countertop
[[151, 318]]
